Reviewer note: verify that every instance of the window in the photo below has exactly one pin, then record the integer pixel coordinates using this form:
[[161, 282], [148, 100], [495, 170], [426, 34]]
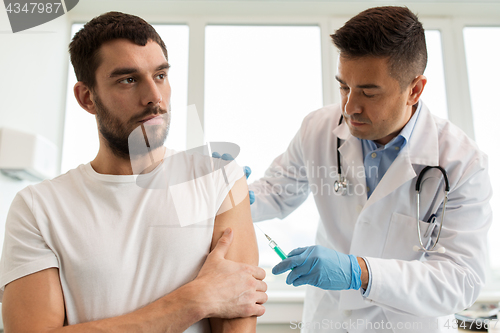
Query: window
[[434, 95], [483, 70], [260, 82], [81, 141]]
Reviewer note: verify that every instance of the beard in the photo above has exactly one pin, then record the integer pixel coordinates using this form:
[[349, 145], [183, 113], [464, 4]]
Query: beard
[[117, 135]]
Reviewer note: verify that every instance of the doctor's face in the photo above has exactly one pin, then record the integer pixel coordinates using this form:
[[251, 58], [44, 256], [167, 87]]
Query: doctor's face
[[132, 88], [374, 105]]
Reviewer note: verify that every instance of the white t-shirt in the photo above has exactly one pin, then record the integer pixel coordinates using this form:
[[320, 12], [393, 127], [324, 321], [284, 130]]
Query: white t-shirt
[[120, 242]]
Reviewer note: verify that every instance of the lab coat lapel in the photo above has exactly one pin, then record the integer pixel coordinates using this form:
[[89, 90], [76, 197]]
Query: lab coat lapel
[[393, 179], [422, 149]]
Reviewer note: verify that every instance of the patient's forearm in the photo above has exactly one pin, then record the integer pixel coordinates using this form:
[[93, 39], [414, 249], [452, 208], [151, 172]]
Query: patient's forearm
[[172, 313], [243, 325]]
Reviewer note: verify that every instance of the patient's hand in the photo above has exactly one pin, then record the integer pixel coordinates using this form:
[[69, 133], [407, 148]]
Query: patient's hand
[[231, 289]]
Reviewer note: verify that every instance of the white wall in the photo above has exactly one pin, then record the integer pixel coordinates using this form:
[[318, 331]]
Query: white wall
[[33, 70]]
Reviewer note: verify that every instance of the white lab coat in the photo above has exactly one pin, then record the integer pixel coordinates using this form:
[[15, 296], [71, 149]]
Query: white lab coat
[[411, 291]]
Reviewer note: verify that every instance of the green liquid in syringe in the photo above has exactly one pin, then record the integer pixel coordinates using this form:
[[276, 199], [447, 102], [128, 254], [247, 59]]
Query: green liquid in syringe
[[277, 249]]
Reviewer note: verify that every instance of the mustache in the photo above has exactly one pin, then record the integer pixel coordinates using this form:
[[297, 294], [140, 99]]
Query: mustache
[[150, 111], [357, 118]]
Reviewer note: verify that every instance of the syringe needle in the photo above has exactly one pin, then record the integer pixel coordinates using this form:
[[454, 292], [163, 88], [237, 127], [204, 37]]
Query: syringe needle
[[268, 238]]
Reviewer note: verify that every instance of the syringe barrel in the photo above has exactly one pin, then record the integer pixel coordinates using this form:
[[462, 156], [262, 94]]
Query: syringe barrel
[[280, 252]]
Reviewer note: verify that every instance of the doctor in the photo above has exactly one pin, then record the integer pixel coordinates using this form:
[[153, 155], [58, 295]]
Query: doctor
[[364, 274]]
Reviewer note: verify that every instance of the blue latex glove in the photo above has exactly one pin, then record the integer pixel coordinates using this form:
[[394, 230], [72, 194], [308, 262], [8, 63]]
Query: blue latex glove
[[321, 267], [247, 170]]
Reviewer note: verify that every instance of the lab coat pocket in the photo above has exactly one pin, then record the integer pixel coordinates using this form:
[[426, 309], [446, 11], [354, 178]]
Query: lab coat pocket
[[402, 236]]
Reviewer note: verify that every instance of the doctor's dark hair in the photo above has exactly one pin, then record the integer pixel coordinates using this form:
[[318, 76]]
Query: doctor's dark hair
[[84, 48], [391, 31]]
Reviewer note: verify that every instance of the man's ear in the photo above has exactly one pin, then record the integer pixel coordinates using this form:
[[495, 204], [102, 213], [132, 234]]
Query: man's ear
[[416, 89], [84, 97]]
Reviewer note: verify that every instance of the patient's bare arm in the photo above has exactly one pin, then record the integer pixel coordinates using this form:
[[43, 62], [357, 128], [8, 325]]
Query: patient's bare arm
[[243, 249]]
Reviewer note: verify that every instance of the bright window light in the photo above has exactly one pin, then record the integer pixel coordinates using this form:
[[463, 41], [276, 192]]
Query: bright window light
[[260, 83], [81, 141], [434, 95], [483, 70]]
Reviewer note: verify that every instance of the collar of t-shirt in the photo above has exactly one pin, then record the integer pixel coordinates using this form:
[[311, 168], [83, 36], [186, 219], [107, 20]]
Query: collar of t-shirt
[[378, 158], [125, 179]]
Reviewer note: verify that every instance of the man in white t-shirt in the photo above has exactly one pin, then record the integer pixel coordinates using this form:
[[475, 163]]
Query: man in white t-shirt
[[142, 238]]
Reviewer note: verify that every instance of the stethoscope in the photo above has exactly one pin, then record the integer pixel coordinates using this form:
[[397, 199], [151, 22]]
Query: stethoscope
[[340, 186]]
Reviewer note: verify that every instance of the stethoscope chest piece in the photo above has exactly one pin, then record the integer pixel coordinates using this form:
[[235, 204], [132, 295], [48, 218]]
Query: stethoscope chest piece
[[340, 185]]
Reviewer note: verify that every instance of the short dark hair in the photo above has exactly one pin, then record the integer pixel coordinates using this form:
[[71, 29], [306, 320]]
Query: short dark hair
[[84, 48], [391, 31]]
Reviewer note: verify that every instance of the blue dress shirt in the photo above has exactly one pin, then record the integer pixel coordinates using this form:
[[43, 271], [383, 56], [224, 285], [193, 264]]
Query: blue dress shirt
[[378, 158]]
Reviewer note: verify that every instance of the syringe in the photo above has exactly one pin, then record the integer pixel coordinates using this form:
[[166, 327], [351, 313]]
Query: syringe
[[274, 246]]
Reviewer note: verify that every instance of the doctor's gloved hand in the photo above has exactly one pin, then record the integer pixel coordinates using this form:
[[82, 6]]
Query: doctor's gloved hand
[[246, 169], [321, 267]]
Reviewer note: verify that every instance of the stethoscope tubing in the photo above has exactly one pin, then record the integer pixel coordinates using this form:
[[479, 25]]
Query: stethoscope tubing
[[341, 183]]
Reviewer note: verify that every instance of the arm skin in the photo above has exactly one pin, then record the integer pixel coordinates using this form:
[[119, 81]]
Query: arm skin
[[364, 273], [35, 303], [223, 289], [243, 249]]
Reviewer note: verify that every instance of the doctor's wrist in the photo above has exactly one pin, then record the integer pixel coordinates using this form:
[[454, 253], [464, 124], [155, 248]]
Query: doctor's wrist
[[364, 272]]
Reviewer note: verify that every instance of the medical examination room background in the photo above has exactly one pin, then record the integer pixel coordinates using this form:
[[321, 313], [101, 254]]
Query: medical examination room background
[[254, 69]]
